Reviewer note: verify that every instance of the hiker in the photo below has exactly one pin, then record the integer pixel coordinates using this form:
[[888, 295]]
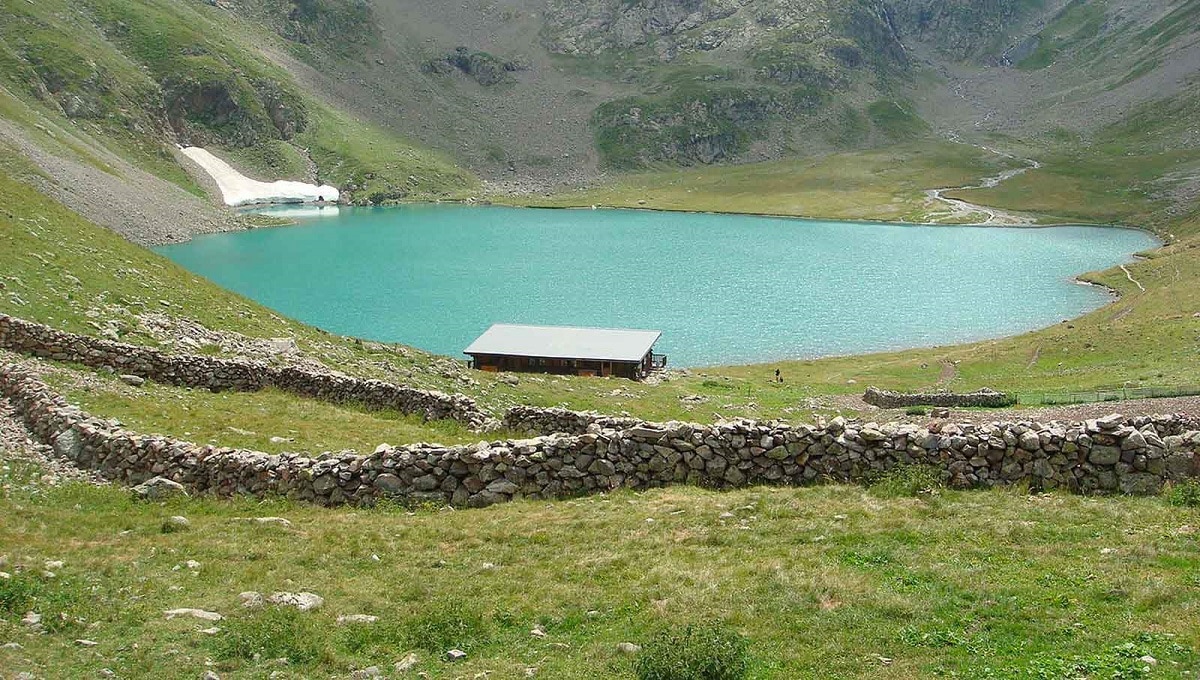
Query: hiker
[[778, 376]]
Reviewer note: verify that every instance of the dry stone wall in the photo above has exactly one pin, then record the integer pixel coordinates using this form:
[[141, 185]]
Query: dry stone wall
[[983, 398], [218, 374], [1113, 454], [536, 420]]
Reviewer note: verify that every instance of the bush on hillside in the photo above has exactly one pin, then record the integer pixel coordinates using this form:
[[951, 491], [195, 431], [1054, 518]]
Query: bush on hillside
[[272, 633], [1185, 494], [699, 652]]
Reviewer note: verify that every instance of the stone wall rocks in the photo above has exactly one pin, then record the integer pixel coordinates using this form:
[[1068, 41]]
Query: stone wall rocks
[[1109, 455], [218, 374], [983, 398]]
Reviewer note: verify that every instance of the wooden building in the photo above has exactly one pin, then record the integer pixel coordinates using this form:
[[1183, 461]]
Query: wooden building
[[564, 350]]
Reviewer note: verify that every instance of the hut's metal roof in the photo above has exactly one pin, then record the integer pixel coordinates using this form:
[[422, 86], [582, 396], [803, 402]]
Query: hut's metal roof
[[565, 342]]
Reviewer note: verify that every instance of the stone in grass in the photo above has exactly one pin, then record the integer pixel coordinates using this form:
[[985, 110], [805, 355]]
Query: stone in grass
[[281, 521], [628, 648], [356, 618], [406, 664], [194, 613], [157, 489], [132, 380], [251, 599], [175, 524], [455, 655], [367, 673], [302, 601]]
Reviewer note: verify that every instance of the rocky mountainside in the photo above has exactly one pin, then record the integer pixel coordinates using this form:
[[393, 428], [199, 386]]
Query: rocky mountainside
[[617, 84], [533, 94]]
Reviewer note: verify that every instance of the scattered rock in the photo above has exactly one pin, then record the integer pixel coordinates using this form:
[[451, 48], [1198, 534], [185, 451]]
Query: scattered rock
[[251, 599], [302, 601], [356, 618], [192, 564], [32, 619], [53, 564], [194, 613], [455, 655], [175, 524], [132, 380], [266, 520], [406, 664], [628, 648], [367, 673], [86, 643], [210, 675]]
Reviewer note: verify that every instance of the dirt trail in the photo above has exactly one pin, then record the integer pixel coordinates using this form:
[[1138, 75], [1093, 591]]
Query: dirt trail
[[1132, 280], [948, 374]]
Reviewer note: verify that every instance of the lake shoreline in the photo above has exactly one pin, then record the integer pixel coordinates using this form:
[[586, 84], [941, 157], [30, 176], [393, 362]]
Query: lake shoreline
[[266, 209], [914, 280]]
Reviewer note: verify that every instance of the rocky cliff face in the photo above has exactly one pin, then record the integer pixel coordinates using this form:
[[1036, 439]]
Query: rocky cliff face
[[963, 29], [746, 70]]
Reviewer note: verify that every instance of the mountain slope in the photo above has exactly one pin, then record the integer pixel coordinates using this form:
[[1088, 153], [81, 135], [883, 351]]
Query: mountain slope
[[138, 77]]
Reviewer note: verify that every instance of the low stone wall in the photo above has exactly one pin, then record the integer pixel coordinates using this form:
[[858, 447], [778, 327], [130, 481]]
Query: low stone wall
[[983, 398], [217, 374], [1109, 455], [536, 420]]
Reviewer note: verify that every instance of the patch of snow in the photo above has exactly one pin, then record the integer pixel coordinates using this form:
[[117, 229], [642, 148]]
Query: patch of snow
[[239, 190]]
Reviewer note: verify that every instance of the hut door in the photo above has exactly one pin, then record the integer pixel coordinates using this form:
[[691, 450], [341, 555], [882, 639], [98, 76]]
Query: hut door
[[606, 368]]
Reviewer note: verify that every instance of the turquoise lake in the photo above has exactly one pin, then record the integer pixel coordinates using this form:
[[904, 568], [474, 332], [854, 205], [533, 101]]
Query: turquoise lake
[[723, 289]]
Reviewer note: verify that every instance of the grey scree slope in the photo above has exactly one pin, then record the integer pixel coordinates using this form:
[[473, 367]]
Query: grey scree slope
[[565, 342]]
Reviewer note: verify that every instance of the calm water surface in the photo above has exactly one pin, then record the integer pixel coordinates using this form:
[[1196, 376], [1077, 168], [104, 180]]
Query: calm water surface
[[723, 289]]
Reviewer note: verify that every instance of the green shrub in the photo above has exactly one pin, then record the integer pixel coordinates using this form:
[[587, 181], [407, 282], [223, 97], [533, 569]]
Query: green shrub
[[447, 626], [1185, 494], [59, 601], [273, 633], [701, 652], [907, 481], [916, 411]]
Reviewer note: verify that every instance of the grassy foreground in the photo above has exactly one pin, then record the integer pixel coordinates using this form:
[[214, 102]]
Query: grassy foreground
[[823, 582]]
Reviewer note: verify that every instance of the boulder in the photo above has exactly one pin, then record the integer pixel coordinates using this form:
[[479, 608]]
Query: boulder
[[157, 489], [302, 601]]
